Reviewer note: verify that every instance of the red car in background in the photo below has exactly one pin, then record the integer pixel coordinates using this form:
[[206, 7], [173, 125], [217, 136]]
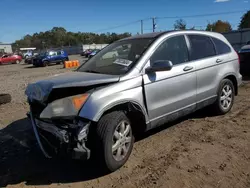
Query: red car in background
[[5, 59]]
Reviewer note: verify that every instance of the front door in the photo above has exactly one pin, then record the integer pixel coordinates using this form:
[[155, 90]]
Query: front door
[[53, 56], [170, 94]]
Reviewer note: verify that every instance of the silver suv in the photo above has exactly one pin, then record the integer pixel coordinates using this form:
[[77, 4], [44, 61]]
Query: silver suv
[[153, 79]]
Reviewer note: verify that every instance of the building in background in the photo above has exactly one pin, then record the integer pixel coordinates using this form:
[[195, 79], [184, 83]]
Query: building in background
[[93, 46], [5, 48]]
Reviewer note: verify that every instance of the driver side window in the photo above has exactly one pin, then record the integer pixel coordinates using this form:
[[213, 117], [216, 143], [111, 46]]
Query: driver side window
[[173, 49]]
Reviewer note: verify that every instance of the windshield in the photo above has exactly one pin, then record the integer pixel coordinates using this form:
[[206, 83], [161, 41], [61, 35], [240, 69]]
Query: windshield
[[117, 58]]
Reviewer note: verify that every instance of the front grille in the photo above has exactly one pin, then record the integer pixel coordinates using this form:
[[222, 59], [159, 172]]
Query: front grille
[[52, 144]]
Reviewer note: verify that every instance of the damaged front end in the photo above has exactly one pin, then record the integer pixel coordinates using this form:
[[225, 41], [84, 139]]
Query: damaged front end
[[57, 127], [54, 112], [61, 138]]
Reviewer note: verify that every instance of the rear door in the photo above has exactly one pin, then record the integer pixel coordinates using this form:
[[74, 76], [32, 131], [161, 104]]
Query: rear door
[[203, 54], [59, 56]]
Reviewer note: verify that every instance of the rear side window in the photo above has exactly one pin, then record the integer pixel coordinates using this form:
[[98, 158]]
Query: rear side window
[[201, 47], [59, 53], [221, 47]]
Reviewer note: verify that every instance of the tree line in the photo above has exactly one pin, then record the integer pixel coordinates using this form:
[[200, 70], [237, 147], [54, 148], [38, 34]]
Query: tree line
[[59, 37], [217, 26]]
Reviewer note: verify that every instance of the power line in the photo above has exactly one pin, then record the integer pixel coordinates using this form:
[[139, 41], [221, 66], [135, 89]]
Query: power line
[[118, 26], [169, 17], [202, 15]]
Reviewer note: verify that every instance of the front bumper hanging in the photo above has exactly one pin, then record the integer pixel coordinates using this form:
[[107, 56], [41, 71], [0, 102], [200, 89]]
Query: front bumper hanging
[[79, 151]]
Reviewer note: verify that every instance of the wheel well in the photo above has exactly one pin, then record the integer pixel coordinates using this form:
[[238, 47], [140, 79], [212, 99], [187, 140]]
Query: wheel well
[[234, 80], [134, 113]]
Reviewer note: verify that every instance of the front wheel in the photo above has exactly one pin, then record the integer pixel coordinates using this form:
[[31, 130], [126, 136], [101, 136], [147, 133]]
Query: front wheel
[[225, 97], [114, 140], [45, 63]]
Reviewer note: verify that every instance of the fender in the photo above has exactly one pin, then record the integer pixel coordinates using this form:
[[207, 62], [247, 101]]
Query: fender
[[103, 99]]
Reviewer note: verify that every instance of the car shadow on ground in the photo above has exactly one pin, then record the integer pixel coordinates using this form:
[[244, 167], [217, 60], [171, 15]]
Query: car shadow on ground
[[22, 161], [32, 66]]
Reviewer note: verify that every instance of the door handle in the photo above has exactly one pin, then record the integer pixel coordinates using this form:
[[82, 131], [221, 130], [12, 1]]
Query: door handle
[[218, 60], [188, 68]]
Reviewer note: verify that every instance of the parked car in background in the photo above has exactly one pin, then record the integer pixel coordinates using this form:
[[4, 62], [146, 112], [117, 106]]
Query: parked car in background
[[244, 54], [29, 60], [97, 109], [7, 58], [86, 53], [46, 58], [27, 52], [93, 53]]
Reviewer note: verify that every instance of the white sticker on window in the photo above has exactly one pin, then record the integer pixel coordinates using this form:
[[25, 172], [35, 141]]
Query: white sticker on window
[[123, 62]]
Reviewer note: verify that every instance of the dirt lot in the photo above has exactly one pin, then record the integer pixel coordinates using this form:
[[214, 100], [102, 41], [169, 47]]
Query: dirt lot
[[197, 151]]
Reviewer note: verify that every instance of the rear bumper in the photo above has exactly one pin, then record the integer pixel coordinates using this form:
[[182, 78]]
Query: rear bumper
[[54, 141]]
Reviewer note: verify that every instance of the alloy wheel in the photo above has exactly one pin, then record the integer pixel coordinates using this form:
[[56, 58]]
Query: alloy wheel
[[122, 138], [226, 97]]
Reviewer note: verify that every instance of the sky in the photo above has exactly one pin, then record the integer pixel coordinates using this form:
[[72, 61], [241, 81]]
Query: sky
[[22, 17]]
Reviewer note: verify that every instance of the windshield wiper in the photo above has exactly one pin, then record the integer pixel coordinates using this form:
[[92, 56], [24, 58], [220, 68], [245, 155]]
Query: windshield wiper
[[91, 71]]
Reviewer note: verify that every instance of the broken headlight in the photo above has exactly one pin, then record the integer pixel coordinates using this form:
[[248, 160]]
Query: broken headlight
[[66, 107]]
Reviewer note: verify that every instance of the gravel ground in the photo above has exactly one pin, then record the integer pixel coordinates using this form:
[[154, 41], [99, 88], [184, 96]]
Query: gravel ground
[[197, 151]]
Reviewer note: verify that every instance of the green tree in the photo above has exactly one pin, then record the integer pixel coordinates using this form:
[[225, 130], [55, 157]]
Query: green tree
[[219, 26], [180, 24], [58, 37], [245, 21]]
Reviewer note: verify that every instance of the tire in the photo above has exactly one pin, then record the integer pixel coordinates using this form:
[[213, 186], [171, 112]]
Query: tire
[[45, 63], [5, 98], [17, 61], [225, 85], [62, 62], [106, 139]]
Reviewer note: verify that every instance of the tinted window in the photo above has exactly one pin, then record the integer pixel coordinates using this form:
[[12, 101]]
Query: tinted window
[[173, 49], [221, 47], [59, 53], [201, 47]]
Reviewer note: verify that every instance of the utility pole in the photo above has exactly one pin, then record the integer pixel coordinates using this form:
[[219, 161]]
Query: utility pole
[[141, 26], [154, 24]]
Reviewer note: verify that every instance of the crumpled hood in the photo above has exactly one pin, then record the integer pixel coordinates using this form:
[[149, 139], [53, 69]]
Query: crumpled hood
[[40, 90]]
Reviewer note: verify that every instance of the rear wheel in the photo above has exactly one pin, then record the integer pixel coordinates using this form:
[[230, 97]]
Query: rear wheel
[[17, 61], [114, 140], [225, 97], [63, 61]]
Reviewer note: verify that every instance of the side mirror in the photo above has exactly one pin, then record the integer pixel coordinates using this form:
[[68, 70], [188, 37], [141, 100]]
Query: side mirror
[[160, 65]]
